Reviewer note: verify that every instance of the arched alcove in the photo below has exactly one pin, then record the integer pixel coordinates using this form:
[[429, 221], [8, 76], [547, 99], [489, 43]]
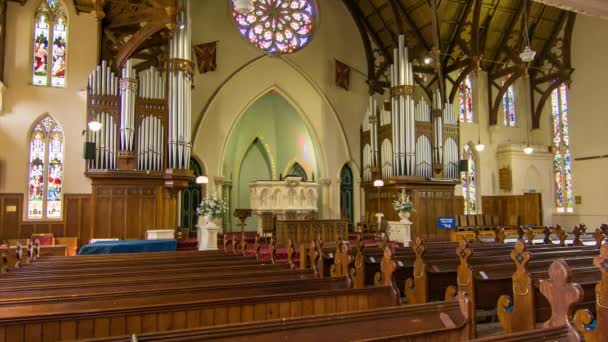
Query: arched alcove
[[270, 132]]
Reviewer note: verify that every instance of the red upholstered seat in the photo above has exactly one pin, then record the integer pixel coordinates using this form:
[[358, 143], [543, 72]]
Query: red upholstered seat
[[44, 239]]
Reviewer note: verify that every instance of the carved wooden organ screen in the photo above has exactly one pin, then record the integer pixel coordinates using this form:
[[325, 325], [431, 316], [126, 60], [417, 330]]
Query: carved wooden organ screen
[[408, 136], [133, 113]]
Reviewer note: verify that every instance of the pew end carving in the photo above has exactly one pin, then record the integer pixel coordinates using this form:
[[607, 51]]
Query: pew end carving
[[517, 313], [595, 329], [464, 280], [562, 295], [416, 288]]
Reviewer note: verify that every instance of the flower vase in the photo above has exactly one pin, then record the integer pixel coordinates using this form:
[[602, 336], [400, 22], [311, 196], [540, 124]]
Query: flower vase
[[405, 216]]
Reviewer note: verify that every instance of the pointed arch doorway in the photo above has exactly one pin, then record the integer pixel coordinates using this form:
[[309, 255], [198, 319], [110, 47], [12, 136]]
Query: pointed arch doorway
[[347, 194], [191, 197]]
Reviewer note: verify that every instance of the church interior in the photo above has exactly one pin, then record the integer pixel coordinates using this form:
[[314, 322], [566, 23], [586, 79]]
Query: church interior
[[341, 170]]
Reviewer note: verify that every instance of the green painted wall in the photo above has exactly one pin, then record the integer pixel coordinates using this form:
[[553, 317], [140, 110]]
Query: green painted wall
[[268, 138]]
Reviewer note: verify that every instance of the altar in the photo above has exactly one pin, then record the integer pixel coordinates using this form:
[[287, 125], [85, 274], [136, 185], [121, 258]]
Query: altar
[[288, 199]]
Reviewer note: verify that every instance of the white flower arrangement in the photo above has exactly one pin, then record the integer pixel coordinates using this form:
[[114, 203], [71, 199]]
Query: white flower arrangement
[[403, 204], [212, 207]]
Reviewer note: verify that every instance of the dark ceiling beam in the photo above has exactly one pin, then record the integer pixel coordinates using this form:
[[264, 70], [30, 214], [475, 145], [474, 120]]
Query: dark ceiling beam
[[385, 25], [398, 18], [496, 102], [462, 19], [365, 31], [410, 22], [475, 29], [552, 39], [485, 27], [506, 34]]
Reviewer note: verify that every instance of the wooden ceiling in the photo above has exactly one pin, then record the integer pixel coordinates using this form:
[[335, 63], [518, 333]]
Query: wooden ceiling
[[461, 36]]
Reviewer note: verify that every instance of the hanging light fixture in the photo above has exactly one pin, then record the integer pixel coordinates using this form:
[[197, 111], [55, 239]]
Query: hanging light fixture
[[527, 55], [94, 125], [528, 149], [480, 147], [244, 6]]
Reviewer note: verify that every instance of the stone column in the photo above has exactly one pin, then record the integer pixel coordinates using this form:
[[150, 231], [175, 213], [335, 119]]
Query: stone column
[[325, 204]]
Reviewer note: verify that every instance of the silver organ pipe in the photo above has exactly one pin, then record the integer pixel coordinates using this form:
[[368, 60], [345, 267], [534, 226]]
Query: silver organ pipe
[[438, 127], [128, 89], [450, 154], [387, 159], [373, 125], [404, 125], [367, 162], [150, 133], [180, 85], [424, 167], [102, 85]]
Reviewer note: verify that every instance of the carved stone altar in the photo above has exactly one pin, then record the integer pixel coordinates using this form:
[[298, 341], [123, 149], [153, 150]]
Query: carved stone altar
[[287, 199]]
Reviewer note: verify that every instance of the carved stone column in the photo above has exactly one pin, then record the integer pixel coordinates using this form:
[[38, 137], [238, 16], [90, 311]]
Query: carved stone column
[[325, 204]]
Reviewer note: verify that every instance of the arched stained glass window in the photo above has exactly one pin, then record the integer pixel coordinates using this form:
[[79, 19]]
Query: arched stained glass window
[[508, 104], [466, 100], [45, 193], [278, 26], [50, 44], [562, 159], [469, 182]]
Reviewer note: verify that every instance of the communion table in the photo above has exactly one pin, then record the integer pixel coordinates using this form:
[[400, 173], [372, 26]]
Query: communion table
[[288, 199]]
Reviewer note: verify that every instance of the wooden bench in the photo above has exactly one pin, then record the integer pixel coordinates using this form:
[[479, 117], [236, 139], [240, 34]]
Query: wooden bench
[[527, 306]]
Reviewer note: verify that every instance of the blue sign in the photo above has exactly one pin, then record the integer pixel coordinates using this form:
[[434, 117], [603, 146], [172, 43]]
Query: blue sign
[[446, 222]]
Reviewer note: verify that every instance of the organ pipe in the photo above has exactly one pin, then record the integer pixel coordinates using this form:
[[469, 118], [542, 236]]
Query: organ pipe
[[150, 133], [128, 90], [437, 128], [403, 119], [102, 87], [180, 85], [373, 124]]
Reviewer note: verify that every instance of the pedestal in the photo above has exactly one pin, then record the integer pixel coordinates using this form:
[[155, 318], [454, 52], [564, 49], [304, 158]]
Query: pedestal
[[207, 235], [400, 232]]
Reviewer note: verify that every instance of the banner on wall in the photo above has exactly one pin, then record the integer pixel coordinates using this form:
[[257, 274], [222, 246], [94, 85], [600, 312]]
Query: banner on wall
[[342, 75]]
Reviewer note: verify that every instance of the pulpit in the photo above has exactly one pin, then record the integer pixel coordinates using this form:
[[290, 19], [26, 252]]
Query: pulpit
[[288, 199]]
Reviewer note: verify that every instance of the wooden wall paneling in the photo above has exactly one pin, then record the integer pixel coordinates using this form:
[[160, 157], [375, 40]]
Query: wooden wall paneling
[[11, 208], [78, 215], [118, 208], [102, 212], [133, 229], [149, 214]]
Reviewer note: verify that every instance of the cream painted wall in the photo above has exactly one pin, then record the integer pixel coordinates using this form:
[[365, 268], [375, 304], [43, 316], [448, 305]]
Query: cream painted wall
[[589, 121], [305, 78], [24, 103]]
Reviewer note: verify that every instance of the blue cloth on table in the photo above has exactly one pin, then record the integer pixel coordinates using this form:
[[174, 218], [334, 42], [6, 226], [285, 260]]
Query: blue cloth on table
[[129, 246]]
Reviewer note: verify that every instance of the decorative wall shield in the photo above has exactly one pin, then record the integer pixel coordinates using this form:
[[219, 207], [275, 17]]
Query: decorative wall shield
[[342, 75], [206, 57]]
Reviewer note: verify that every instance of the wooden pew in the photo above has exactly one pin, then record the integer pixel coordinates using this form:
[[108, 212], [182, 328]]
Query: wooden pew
[[423, 322], [596, 330], [110, 316], [527, 306]]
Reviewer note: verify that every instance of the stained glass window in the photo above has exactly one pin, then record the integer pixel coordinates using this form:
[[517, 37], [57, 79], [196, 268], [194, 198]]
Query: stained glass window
[[468, 180], [466, 100], [562, 159], [278, 26], [50, 44], [45, 170], [508, 104]]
